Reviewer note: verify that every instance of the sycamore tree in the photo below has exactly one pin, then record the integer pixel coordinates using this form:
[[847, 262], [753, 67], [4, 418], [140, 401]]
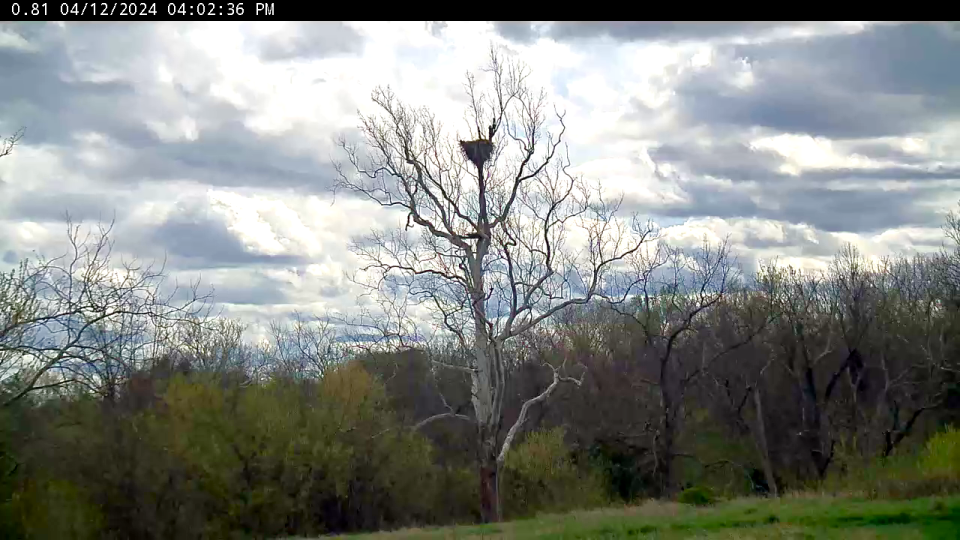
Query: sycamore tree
[[497, 236]]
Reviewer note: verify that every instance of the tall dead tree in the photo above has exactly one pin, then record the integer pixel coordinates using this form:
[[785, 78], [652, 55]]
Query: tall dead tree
[[492, 252]]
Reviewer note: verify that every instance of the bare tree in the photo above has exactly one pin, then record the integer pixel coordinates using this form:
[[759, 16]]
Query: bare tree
[[7, 145], [691, 309], [491, 253], [910, 365], [303, 348], [805, 341], [740, 378], [212, 345], [949, 259], [84, 319]]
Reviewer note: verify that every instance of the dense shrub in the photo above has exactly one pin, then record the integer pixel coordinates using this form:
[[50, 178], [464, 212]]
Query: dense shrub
[[454, 496], [941, 455], [697, 496], [932, 470], [52, 509], [211, 460], [540, 476]]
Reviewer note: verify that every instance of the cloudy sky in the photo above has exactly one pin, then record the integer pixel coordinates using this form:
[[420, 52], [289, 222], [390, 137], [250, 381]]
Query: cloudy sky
[[211, 144]]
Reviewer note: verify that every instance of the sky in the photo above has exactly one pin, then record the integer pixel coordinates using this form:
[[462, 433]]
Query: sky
[[212, 144]]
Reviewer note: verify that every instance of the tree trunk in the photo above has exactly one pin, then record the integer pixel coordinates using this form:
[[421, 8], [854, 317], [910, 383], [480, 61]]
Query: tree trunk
[[489, 483], [665, 443], [665, 459], [762, 444], [813, 436], [485, 390]]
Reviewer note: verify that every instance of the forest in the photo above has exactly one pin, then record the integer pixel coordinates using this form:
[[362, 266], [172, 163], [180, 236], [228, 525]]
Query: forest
[[548, 377]]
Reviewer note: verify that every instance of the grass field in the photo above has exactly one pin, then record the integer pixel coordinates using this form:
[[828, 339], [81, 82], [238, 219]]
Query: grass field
[[790, 518]]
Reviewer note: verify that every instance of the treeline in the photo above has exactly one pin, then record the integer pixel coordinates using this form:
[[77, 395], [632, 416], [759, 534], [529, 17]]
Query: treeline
[[130, 411]]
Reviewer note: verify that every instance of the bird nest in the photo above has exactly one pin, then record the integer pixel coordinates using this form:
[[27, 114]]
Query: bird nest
[[478, 151]]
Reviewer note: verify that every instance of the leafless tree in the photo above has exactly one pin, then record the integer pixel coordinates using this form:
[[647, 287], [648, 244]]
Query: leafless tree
[[691, 309], [303, 348], [948, 262], [912, 361], [493, 251], [738, 381], [806, 346], [212, 345], [86, 318], [7, 145]]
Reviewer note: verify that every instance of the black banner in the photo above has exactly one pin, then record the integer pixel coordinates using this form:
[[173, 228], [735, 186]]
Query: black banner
[[16, 10]]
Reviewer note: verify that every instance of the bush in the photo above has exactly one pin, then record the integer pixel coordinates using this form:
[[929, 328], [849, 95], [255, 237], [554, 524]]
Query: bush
[[934, 470], [941, 455], [696, 496], [540, 476], [454, 499], [281, 458], [207, 459], [621, 466], [52, 509]]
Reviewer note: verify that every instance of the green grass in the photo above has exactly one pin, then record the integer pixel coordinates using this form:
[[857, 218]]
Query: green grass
[[794, 518]]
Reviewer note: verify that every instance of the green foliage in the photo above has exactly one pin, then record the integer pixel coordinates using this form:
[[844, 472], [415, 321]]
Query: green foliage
[[210, 460], [722, 462], [696, 496], [53, 509], [933, 470], [265, 456], [620, 466], [540, 476], [881, 477], [941, 456], [453, 492]]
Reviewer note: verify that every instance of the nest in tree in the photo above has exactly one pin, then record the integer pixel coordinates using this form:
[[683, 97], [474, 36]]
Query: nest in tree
[[478, 151]]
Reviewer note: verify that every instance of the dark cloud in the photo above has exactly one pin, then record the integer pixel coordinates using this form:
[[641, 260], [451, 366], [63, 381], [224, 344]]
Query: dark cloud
[[887, 80], [885, 151], [197, 239], [658, 30], [788, 105], [888, 58], [521, 31], [738, 162], [306, 40], [251, 285], [55, 206], [728, 160], [856, 210], [795, 239], [525, 31], [229, 156], [257, 291]]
